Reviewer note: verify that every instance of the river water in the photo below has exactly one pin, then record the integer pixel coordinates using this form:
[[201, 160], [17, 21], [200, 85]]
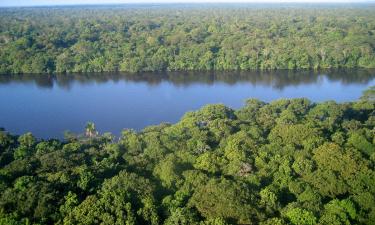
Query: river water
[[48, 105]]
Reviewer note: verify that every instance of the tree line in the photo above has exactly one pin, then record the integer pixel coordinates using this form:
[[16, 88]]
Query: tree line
[[134, 39], [290, 161]]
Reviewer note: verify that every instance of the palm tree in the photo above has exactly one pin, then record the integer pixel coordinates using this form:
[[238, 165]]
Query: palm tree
[[91, 130]]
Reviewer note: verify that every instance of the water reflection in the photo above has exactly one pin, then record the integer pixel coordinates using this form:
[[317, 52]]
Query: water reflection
[[276, 79], [47, 105]]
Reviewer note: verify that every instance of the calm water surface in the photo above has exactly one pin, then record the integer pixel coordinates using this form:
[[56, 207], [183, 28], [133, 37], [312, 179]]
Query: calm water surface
[[48, 105]]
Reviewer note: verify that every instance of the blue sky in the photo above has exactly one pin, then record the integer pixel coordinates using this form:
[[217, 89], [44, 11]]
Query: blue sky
[[65, 2]]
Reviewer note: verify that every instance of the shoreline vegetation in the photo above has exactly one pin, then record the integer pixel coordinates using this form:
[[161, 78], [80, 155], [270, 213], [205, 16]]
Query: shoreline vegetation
[[140, 38], [290, 161]]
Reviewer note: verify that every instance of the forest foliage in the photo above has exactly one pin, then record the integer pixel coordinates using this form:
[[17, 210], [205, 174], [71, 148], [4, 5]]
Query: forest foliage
[[290, 161], [173, 38]]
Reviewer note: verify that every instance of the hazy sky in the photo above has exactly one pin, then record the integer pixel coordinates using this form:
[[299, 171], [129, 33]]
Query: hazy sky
[[65, 2]]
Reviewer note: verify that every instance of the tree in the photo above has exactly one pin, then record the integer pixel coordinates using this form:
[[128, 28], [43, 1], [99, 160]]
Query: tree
[[225, 199], [91, 130], [300, 216]]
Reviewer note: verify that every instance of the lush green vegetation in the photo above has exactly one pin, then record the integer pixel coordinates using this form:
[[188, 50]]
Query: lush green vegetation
[[139, 38], [284, 162]]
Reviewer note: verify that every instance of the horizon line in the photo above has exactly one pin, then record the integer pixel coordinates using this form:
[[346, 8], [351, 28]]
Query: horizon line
[[192, 2]]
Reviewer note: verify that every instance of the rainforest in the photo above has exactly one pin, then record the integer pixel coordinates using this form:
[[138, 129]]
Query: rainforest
[[136, 38], [284, 162], [187, 114]]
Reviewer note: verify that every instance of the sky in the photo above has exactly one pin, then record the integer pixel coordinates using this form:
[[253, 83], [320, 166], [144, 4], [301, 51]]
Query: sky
[[74, 2]]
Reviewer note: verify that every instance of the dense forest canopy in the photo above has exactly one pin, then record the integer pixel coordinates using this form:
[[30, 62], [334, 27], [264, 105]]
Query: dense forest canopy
[[159, 38], [290, 161]]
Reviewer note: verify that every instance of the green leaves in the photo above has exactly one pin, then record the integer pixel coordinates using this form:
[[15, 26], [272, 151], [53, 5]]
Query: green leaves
[[161, 39], [225, 198], [361, 143], [27, 142], [339, 212], [285, 162], [124, 199], [299, 216]]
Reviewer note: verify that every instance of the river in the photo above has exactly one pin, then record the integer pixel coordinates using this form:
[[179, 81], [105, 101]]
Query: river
[[48, 105]]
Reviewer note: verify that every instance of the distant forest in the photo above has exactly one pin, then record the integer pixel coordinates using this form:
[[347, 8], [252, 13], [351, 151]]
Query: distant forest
[[135, 39], [285, 162]]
